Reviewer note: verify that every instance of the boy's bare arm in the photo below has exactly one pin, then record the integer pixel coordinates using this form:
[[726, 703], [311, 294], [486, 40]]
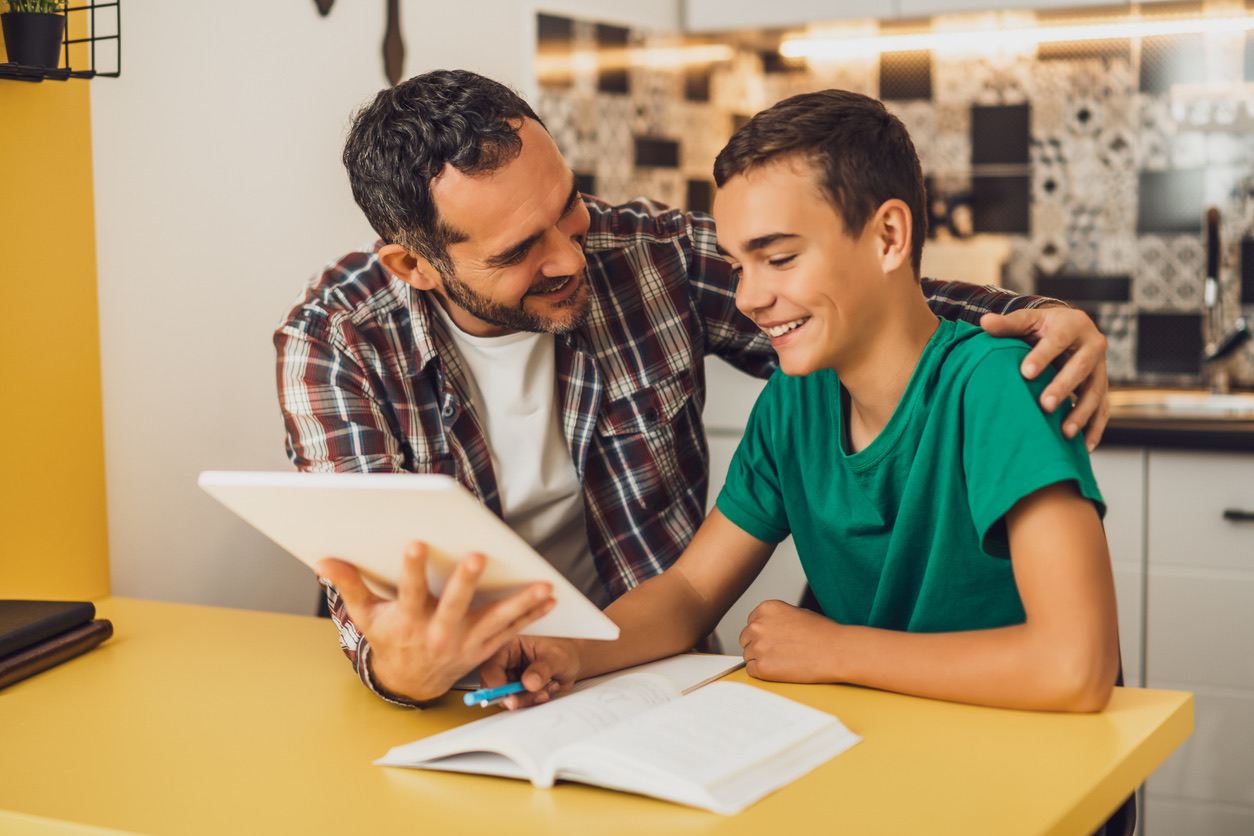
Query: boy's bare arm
[[1063, 658], [663, 616]]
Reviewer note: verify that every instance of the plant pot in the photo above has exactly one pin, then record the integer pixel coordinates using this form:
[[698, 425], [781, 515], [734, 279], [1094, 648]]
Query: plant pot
[[33, 38]]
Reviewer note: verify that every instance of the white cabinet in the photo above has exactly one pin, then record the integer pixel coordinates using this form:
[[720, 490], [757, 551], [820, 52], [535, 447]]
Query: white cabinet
[[1200, 637], [1120, 475]]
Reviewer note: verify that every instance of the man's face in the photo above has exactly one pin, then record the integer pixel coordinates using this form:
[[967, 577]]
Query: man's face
[[803, 280], [521, 267]]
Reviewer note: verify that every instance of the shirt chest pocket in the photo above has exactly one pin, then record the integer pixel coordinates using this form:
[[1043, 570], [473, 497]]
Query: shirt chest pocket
[[651, 436]]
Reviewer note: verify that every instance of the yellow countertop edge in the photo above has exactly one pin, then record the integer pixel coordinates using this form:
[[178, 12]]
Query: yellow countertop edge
[[1135, 769]]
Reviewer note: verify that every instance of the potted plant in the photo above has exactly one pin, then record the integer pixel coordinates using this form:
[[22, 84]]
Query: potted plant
[[33, 30]]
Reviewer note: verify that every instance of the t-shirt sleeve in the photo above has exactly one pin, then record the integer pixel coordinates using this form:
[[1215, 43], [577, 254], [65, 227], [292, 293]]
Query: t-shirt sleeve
[[751, 497], [1012, 448]]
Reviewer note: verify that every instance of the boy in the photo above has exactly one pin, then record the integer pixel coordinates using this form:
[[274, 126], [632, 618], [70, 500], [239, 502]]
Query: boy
[[950, 533]]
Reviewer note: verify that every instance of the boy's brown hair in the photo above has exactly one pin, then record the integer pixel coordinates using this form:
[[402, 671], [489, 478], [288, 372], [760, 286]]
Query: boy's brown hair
[[861, 153]]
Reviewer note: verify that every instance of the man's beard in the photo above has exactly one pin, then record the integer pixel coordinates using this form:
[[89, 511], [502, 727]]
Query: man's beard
[[518, 319]]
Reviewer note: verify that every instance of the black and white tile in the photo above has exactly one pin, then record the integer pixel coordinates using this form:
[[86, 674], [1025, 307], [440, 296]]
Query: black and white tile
[[1123, 151]]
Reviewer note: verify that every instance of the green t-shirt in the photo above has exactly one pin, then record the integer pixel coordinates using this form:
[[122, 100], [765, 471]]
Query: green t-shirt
[[908, 533]]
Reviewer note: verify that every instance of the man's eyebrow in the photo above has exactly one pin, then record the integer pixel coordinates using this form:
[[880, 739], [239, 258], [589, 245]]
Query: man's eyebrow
[[513, 253], [573, 199], [520, 249]]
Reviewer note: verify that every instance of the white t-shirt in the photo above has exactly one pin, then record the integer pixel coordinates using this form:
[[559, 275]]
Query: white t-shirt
[[513, 387]]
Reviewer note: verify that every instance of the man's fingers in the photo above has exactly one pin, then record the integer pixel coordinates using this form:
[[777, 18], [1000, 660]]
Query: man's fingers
[[1028, 325], [460, 589], [1022, 323], [411, 592], [511, 630], [1092, 413], [347, 581], [1047, 350], [1070, 377], [501, 620]]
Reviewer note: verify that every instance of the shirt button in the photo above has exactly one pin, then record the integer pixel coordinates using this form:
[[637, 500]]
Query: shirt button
[[448, 411], [650, 415]]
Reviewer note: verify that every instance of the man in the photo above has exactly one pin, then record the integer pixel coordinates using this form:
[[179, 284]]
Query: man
[[545, 349]]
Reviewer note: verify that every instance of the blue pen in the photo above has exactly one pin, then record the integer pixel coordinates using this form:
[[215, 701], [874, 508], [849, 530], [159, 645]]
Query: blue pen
[[490, 696]]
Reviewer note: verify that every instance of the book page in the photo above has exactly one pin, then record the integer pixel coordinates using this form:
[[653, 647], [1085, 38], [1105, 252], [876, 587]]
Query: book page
[[686, 671], [726, 734], [531, 736]]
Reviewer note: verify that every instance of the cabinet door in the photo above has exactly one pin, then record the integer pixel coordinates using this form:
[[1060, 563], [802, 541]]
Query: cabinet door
[[1120, 474], [782, 578], [1200, 635]]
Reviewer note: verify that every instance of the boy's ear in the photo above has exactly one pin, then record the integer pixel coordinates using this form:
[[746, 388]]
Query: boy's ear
[[895, 233], [413, 270]]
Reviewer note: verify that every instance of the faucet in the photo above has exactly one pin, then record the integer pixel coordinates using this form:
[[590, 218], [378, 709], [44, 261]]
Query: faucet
[[1221, 344]]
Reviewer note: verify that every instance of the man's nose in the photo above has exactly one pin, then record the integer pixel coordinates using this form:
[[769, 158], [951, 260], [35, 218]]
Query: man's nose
[[563, 255]]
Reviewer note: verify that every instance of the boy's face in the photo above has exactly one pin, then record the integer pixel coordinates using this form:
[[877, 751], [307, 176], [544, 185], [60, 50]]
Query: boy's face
[[813, 288]]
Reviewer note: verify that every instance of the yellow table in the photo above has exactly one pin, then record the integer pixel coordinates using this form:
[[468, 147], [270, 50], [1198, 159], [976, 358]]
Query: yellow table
[[204, 720]]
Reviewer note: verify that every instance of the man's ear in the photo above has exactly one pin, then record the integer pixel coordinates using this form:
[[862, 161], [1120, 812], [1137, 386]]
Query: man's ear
[[413, 270], [894, 235]]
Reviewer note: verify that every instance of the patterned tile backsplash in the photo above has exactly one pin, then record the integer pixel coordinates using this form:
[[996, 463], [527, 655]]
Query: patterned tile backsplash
[[1096, 159]]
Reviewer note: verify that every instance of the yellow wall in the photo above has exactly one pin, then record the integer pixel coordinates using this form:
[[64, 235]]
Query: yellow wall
[[53, 537]]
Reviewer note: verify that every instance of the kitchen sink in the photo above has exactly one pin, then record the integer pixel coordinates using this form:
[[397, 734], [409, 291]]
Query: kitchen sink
[[1195, 405]]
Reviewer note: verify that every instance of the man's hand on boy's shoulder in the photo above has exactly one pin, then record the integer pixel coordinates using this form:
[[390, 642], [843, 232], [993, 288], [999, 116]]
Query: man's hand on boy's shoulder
[[1068, 338], [790, 644]]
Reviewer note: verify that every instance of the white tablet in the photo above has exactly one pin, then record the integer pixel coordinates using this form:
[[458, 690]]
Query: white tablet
[[367, 519]]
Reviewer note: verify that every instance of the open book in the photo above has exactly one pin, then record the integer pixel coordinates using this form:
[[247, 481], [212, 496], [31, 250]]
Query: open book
[[721, 747]]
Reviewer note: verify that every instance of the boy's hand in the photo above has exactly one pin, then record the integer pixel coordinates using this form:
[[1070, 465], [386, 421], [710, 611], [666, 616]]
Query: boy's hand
[[1067, 334], [546, 667], [421, 645], [789, 644]]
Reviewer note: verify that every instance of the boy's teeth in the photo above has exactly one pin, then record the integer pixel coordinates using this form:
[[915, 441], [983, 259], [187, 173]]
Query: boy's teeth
[[780, 330]]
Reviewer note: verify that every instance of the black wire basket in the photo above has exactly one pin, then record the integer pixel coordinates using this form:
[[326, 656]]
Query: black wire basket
[[80, 54]]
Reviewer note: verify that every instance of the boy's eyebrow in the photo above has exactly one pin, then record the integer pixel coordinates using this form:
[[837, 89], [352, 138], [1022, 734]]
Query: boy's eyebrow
[[510, 254], [763, 241], [755, 244]]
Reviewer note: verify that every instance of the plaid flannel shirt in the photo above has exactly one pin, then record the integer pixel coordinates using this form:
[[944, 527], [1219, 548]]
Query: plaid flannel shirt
[[369, 381]]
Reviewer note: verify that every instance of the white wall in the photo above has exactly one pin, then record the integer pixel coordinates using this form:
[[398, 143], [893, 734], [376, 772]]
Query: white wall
[[219, 192]]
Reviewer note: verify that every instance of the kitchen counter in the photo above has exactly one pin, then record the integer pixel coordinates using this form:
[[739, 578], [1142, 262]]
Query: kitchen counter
[[1180, 419], [1179, 434]]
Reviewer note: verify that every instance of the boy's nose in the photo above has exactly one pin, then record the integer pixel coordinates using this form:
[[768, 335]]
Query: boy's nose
[[752, 296]]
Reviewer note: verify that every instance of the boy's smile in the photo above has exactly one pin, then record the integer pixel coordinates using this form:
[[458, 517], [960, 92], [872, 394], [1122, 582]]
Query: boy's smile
[[778, 331]]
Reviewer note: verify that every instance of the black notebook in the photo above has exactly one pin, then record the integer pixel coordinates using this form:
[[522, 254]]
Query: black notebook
[[25, 623]]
